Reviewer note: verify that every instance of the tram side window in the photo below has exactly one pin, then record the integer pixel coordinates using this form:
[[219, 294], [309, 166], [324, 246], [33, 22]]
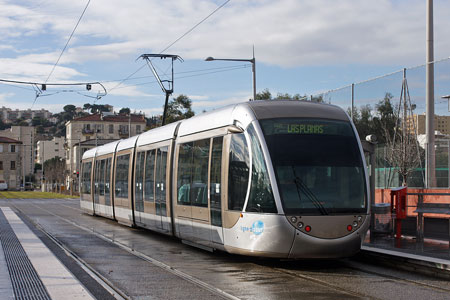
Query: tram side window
[[199, 181], [184, 173], [192, 180], [102, 177], [121, 183], [86, 178], [140, 161], [96, 180], [215, 182], [108, 181], [261, 197], [149, 189], [238, 173]]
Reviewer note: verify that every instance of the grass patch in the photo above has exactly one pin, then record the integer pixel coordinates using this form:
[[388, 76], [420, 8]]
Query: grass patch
[[33, 195]]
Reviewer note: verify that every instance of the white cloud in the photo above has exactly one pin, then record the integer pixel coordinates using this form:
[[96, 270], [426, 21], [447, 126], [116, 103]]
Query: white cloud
[[285, 32]]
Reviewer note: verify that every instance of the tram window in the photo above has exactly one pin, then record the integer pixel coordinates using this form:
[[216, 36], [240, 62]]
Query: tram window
[[101, 184], [140, 161], [238, 173], [96, 181], [121, 183], [149, 194], [318, 166], [184, 173], [199, 181], [215, 182], [192, 183], [261, 197], [160, 179], [86, 178], [108, 181]]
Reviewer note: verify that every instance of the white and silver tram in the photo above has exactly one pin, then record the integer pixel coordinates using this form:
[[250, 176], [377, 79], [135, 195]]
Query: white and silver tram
[[264, 178]]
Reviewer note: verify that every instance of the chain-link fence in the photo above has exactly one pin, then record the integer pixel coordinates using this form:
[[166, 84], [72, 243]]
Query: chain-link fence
[[403, 94]]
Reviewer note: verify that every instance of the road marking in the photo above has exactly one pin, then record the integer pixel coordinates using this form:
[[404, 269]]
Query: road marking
[[58, 281]]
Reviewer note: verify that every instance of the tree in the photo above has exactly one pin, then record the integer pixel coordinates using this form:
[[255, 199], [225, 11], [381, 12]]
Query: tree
[[3, 125], [70, 108], [264, 95], [124, 111], [87, 106], [363, 120], [386, 121], [54, 170], [179, 108], [267, 95]]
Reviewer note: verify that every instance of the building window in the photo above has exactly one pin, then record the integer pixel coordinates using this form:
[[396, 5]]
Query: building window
[[1, 148], [111, 128], [138, 129], [1, 165], [13, 148], [13, 165]]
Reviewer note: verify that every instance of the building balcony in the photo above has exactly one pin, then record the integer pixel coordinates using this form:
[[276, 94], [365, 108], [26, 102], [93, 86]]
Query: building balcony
[[123, 133], [86, 131]]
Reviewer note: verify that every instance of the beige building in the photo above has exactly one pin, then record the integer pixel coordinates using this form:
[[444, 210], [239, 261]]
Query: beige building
[[46, 150], [26, 135], [9, 115], [10, 167], [441, 124], [86, 132]]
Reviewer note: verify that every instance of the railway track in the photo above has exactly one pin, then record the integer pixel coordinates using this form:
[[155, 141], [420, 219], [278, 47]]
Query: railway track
[[345, 279]]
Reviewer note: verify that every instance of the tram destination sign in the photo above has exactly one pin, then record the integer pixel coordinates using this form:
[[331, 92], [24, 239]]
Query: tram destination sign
[[305, 127]]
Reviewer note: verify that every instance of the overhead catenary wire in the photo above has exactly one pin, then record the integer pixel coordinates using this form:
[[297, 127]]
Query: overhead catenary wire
[[67, 43], [183, 72], [173, 43], [188, 76]]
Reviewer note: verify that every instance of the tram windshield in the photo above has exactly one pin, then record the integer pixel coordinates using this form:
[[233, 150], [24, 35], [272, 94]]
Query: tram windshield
[[318, 166]]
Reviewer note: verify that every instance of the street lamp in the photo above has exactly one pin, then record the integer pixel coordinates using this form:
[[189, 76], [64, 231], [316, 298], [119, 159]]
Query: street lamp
[[252, 61], [448, 99]]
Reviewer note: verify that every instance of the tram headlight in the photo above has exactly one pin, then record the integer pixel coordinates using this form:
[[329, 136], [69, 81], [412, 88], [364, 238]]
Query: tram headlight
[[355, 224], [300, 225], [359, 218], [293, 219]]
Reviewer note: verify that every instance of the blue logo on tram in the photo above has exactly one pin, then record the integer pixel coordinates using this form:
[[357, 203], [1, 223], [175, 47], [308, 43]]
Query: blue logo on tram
[[258, 227]]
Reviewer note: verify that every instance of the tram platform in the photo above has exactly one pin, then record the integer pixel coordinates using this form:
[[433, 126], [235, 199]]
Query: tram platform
[[430, 256], [28, 269]]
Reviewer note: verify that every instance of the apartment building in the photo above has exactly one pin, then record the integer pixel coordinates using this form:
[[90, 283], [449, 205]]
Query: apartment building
[[9, 115], [10, 166], [441, 124], [46, 150], [86, 132], [26, 135]]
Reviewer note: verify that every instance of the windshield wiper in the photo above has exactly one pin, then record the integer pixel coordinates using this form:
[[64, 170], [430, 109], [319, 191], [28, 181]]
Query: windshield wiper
[[301, 187]]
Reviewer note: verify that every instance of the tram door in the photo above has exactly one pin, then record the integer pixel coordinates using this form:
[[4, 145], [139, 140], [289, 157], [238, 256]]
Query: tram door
[[215, 191], [139, 187], [161, 188]]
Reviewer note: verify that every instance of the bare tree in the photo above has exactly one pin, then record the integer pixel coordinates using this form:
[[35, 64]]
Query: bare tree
[[54, 170], [403, 150]]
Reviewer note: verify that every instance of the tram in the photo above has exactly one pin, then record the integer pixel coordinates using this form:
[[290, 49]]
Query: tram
[[283, 179]]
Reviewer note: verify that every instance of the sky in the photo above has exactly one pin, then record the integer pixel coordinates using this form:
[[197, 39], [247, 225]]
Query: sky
[[301, 47]]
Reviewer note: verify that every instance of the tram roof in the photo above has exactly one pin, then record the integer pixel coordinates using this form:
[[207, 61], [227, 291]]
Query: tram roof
[[261, 109], [107, 148], [89, 153], [296, 109], [127, 143], [157, 134]]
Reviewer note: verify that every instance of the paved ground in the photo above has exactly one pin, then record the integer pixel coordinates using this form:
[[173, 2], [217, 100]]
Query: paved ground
[[138, 264]]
